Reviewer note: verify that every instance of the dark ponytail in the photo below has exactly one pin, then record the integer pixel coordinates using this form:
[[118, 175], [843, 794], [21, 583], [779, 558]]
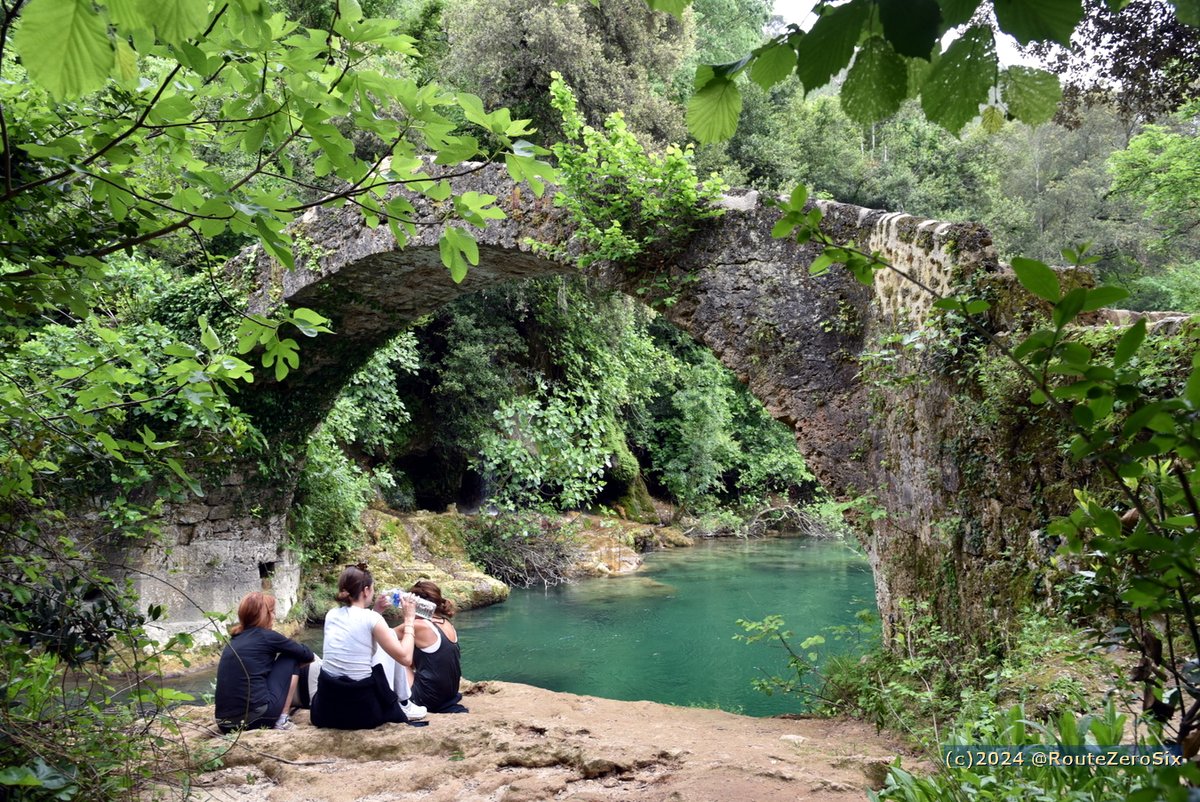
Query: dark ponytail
[[429, 590], [352, 582]]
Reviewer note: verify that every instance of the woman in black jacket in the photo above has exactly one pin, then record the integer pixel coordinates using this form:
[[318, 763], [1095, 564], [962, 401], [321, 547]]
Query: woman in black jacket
[[259, 669]]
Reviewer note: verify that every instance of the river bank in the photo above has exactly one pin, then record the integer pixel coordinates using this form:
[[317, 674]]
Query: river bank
[[523, 743]]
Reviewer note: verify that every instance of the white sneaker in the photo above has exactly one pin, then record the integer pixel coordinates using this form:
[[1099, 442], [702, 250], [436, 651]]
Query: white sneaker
[[412, 710]]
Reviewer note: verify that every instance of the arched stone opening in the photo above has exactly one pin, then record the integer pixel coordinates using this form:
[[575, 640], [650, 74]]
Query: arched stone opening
[[792, 337]]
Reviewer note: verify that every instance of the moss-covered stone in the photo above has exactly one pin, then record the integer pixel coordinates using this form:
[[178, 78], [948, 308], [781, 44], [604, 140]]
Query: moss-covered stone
[[636, 504], [623, 466], [403, 549]]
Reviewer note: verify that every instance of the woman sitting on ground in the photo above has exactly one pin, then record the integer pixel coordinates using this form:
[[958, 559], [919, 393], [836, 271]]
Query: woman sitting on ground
[[352, 693], [437, 667], [259, 668]]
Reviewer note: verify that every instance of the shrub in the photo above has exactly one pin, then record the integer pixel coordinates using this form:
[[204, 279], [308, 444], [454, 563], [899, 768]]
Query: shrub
[[622, 198], [330, 498]]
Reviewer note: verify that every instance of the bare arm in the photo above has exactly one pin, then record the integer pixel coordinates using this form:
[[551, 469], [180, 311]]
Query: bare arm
[[425, 636], [398, 643]]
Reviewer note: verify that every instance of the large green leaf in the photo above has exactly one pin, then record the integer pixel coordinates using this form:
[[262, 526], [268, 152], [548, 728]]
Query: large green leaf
[[957, 12], [1188, 12], [991, 119], [773, 64], [1039, 20], [176, 21], [712, 113], [126, 61], [877, 83], [1032, 95], [826, 49], [64, 45], [960, 79], [912, 26], [1130, 342], [1038, 278], [126, 14], [675, 7]]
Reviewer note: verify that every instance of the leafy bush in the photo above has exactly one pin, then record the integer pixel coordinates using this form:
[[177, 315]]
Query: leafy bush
[[1177, 288], [621, 198], [330, 498], [1031, 780], [707, 441], [925, 682], [369, 412], [546, 451], [70, 730]]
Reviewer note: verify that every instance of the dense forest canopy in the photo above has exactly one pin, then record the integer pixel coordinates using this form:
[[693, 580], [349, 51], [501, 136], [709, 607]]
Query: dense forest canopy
[[142, 144]]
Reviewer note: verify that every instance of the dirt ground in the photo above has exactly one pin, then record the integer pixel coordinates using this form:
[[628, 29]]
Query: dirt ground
[[520, 744]]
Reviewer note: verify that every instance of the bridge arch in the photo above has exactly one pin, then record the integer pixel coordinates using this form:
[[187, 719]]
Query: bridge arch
[[793, 338]]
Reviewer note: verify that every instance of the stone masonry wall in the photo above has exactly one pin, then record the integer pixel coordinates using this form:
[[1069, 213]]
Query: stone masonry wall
[[800, 342]]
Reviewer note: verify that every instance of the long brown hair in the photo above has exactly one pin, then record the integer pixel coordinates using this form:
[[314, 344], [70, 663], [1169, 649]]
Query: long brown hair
[[429, 590], [255, 610], [352, 582]]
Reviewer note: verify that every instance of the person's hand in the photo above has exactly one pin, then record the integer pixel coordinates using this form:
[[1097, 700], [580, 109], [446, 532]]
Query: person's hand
[[409, 608]]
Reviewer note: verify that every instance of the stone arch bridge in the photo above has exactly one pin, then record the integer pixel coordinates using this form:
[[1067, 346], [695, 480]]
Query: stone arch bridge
[[796, 340]]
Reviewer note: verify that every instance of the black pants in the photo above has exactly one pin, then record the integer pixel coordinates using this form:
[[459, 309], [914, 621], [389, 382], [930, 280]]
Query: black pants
[[355, 704], [279, 681]]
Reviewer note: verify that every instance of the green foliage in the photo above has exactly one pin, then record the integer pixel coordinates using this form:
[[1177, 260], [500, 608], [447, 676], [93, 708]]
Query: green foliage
[[1177, 287], [927, 684], [547, 450], [618, 55], [556, 393], [68, 628], [331, 495], [190, 145], [368, 412], [61, 744], [1158, 171], [623, 199], [707, 441], [104, 401], [903, 61], [368, 419], [725, 29], [523, 549], [1031, 779], [695, 447]]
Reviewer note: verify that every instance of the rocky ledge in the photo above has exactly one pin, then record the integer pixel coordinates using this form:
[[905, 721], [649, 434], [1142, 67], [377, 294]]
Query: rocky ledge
[[521, 743]]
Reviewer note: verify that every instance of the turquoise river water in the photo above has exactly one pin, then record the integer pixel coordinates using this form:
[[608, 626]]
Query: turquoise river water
[[666, 633]]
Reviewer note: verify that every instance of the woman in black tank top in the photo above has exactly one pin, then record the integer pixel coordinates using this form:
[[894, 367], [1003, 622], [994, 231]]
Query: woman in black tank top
[[437, 667]]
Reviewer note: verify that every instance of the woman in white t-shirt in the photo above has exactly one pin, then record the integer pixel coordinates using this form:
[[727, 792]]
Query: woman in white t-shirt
[[352, 693]]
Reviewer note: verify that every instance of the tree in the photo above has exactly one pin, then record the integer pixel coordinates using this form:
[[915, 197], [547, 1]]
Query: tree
[[189, 143], [130, 125], [893, 52], [1160, 171], [617, 55], [1140, 58], [1049, 186], [727, 29]]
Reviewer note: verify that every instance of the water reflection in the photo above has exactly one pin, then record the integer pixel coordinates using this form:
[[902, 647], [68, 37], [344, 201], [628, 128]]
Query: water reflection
[[667, 634]]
